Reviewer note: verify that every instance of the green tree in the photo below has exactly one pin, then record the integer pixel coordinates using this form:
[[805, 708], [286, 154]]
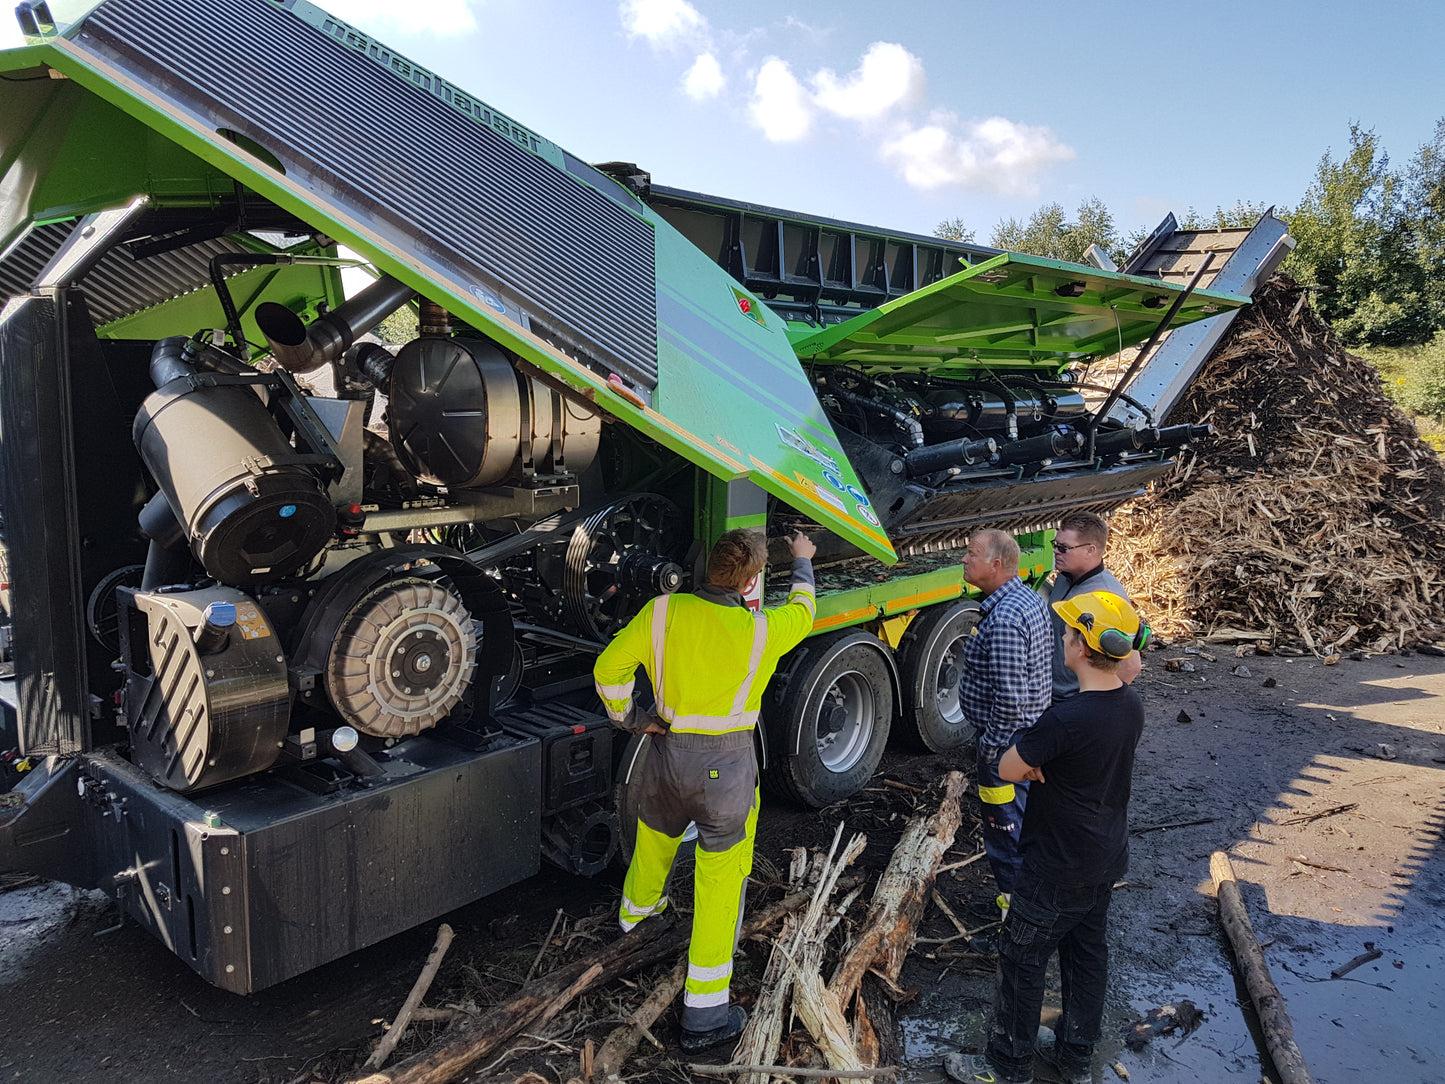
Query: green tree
[[1356, 249], [953, 229], [1243, 215], [1424, 199], [1049, 233]]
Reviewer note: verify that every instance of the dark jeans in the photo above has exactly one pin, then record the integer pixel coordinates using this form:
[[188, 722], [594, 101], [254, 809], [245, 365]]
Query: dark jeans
[[1044, 918], [1003, 818]]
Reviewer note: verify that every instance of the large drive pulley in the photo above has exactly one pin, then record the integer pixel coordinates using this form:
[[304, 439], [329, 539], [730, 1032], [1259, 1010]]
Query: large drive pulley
[[620, 557], [403, 657]]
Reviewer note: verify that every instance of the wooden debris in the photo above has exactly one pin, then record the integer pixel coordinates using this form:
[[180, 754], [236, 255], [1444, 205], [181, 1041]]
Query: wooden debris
[[538, 1002], [418, 991], [1269, 1003], [1370, 953], [1306, 818], [792, 975], [1329, 536], [768, 1071], [1169, 824], [622, 1042], [901, 894]]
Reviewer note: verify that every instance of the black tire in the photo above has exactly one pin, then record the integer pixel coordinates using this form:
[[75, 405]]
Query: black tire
[[836, 712], [930, 664], [626, 771], [626, 794]]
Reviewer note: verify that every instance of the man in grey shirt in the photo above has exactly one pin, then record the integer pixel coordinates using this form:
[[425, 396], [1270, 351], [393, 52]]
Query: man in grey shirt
[[1079, 563]]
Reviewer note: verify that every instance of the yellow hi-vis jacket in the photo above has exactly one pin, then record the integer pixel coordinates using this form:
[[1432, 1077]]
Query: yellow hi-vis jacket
[[709, 657]]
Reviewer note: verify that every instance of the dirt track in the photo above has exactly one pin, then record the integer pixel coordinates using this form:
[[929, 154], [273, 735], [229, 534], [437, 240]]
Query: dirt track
[[118, 1007]]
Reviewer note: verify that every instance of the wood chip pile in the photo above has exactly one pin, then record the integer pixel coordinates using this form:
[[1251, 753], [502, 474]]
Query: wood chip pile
[[1315, 517]]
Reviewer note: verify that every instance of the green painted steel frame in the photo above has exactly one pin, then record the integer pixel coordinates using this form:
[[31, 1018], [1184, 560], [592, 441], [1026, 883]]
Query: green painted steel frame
[[1011, 310]]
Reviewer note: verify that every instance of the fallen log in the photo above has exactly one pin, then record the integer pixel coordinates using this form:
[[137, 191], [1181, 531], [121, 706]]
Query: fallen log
[[539, 1001], [901, 895], [1269, 1003]]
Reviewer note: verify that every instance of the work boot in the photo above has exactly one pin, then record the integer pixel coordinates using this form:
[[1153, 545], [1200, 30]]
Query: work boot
[[1047, 1049], [977, 1069], [694, 1041]]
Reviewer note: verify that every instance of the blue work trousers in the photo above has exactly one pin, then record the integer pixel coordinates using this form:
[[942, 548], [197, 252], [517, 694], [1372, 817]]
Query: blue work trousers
[[1003, 819], [1046, 918]]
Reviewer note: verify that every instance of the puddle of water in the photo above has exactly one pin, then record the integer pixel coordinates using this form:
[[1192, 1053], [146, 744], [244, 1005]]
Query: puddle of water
[[1381, 1022], [27, 917]]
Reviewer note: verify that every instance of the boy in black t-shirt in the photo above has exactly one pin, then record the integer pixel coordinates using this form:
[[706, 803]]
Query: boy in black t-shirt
[[1079, 757]]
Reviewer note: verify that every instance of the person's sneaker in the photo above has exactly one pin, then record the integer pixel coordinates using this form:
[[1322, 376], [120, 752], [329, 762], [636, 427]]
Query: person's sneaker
[[976, 1069], [1046, 1047], [694, 1041]]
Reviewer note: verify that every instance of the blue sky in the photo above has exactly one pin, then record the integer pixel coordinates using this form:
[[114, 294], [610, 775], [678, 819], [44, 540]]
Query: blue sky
[[902, 115]]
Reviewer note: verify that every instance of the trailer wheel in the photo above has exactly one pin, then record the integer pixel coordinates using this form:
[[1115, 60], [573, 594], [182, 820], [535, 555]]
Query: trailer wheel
[[830, 724], [930, 663]]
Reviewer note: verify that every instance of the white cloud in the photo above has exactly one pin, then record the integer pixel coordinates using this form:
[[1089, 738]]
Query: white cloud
[[888, 76], [704, 79], [780, 106], [664, 23], [995, 153], [384, 18]]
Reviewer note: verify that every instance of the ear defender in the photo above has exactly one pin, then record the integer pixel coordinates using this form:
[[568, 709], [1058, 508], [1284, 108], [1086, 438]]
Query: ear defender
[[1116, 644]]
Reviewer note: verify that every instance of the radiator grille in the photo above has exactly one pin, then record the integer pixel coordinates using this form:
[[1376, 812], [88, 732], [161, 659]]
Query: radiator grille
[[388, 150]]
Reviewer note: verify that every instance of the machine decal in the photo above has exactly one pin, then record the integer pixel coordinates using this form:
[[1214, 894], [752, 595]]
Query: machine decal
[[865, 512], [791, 438], [749, 308]]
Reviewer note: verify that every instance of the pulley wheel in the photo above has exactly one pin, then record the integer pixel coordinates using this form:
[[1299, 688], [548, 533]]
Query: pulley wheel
[[402, 658], [622, 556]]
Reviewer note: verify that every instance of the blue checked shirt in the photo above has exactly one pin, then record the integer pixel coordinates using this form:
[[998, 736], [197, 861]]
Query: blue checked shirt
[[1008, 666]]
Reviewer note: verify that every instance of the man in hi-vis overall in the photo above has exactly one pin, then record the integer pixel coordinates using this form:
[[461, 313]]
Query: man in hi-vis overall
[[709, 658]]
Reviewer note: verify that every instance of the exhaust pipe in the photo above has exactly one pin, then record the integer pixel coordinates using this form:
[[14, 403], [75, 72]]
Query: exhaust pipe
[[300, 349]]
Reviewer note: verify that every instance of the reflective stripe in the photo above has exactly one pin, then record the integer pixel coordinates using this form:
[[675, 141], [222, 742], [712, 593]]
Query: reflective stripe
[[642, 912], [760, 641], [709, 724], [707, 974], [615, 692], [996, 795], [803, 591], [703, 1001], [659, 645]]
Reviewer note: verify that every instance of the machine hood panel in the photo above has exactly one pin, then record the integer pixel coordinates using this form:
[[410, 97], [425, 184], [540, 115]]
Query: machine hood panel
[[1010, 309]]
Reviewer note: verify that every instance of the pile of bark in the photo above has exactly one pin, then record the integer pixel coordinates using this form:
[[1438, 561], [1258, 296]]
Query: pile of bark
[[1316, 516]]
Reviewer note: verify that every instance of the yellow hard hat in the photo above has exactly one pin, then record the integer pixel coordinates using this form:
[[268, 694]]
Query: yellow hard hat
[[1109, 624]]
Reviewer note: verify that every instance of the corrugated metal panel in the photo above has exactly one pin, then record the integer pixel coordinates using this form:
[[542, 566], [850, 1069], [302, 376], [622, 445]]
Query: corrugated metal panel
[[118, 286], [399, 157]]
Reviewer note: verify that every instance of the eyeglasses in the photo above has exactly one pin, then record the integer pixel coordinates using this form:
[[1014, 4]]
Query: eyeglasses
[[1059, 547]]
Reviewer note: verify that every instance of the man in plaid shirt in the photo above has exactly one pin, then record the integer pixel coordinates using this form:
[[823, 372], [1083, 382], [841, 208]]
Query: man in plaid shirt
[[1007, 684]]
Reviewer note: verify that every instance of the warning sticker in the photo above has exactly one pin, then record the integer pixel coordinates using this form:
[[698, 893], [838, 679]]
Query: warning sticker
[[251, 622]]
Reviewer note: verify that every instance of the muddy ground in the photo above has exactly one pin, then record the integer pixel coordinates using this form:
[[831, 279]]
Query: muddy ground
[[1323, 783]]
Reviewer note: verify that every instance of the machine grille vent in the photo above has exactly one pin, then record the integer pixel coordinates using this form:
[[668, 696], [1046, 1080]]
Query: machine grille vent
[[392, 148], [119, 285]]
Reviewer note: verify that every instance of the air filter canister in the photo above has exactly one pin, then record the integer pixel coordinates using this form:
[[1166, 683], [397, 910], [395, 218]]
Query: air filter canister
[[251, 513]]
